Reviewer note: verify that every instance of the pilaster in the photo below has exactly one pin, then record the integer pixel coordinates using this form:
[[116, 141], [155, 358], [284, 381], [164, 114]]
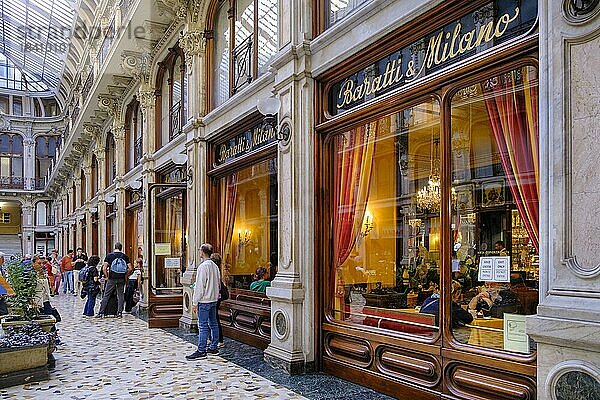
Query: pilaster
[[567, 325]]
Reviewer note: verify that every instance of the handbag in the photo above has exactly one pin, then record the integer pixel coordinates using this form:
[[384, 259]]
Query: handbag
[[223, 292], [56, 315]]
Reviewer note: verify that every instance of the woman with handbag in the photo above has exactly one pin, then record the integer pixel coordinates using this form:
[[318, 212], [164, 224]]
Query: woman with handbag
[[91, 285]]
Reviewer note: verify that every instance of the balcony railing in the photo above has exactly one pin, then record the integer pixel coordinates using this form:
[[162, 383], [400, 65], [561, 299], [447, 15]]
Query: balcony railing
[[175, 116], [109, 37], [242, 64], [39, 183], [87, 86], [12, 182]]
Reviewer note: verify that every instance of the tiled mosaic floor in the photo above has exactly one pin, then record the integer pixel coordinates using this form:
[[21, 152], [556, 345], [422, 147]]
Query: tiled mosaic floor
[[123, 359]]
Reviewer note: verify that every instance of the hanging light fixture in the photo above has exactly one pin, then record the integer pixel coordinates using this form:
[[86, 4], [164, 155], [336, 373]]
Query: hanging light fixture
[[429, 197]]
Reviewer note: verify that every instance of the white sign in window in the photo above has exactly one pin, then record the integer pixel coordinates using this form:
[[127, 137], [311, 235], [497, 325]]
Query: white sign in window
[[494, 269]]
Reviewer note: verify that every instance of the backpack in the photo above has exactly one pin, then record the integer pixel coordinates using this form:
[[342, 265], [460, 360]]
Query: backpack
[[118, 266], [83, 274], [223, 292]]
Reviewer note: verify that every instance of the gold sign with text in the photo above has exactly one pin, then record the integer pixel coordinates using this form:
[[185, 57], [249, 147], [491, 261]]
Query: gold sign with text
[[244, 143], [446, 46]]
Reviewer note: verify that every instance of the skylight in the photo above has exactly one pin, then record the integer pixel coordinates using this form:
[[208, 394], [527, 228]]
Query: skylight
[[35, 40]]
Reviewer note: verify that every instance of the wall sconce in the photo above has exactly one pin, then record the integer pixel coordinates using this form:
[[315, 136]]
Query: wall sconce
[[367, 225], [180, 159], [110, 199], [93, 210], [244, 240], [269, 107], [135, 185]]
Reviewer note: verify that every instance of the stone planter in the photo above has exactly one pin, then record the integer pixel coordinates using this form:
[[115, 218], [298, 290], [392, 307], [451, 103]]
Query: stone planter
[[46, 321], [23, 365]]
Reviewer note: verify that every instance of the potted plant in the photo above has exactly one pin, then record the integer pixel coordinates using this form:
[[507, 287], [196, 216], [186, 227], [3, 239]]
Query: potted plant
[[23, 280]]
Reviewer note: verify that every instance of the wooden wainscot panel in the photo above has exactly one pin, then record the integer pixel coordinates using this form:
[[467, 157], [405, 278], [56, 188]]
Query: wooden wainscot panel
[[476, 382], [165, 315], [354, 351], [246, 317], [422, 369]]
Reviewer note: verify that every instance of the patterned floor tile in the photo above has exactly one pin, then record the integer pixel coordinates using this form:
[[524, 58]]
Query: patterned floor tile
[[124, 359]]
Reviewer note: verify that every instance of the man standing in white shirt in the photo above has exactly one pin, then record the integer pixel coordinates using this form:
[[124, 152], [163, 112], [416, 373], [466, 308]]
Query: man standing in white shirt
[[204, 300]]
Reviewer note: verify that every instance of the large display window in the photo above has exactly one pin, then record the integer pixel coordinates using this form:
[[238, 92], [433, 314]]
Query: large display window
[[387, 179], [495, 233], [386, 221], [248, 225]]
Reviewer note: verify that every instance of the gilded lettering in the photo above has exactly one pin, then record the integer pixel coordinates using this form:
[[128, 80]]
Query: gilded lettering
[[433, 51], [377, 83], [410, 69], [358, 93], [466, 40], [368, 88], [505, 20], [345, 93], [399, 74], [484, 33], [455, 35]]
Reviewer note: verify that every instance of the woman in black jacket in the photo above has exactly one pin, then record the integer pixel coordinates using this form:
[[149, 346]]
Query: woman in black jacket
[[91, 284]]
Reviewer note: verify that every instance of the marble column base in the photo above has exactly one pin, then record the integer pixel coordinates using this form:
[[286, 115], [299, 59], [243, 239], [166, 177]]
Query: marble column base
[[293, 363], [568, 358]]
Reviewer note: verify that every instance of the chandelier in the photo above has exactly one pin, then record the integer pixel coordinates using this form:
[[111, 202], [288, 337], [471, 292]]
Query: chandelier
[[430, 197]]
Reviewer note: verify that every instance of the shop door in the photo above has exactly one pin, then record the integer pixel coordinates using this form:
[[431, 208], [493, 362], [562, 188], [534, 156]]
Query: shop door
[[167, 253]]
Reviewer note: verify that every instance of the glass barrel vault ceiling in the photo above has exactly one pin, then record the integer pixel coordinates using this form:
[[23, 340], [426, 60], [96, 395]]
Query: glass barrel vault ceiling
[[35, 39]]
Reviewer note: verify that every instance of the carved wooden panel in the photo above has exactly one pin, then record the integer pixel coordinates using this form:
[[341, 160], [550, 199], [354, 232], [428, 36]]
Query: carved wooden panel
[[477, 382], [165, 311], [246, 317], [420, 368], [347, 349]]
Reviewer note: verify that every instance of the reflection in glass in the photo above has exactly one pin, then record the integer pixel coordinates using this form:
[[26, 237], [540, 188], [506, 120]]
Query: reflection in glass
[[495, 175], [248, 223], [386, 246], [169, 241]]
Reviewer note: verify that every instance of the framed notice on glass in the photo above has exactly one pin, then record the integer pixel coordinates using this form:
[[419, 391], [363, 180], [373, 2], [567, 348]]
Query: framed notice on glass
[[494, 269], [172, 263], [162, 249], [515, 338]]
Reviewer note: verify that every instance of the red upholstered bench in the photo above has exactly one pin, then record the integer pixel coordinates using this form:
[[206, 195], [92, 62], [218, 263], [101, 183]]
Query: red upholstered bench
[[400, 320]]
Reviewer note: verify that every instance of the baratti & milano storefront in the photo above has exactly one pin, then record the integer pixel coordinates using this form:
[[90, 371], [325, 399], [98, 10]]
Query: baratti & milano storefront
[[427, 193], [243, 225]]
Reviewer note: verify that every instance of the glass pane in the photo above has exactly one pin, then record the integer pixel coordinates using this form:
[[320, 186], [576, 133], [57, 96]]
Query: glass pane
[[386, 222], [169, 238], [248, 226], [495, 231], [221, 57], [338, 9], [267, 33], [244, 21]]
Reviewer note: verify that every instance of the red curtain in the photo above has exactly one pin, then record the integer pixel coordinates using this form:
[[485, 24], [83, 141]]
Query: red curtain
[[352, 176], [511, 100], [227, 218]]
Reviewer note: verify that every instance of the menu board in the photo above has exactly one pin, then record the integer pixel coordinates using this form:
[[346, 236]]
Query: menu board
[[494, 269]]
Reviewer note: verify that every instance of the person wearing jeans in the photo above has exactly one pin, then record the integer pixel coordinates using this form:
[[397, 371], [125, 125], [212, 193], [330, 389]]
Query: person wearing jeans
[[204, 300], [91, 286], [66, 267], [116, 279]]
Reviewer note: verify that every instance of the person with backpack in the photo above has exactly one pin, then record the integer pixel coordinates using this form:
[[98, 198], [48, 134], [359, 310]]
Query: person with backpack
[[116, 269], [90, 280]]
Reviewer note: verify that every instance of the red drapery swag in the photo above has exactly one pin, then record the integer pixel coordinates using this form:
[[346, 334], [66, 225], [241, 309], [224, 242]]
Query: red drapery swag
[[511, 100], [227, 218], [352, 176]]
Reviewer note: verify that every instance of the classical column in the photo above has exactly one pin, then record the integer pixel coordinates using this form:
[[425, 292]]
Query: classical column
[[102, 244], [78, 202], [28, 227], [29, 163], [193, 43], [567, 325], [87, 171], [147, 99]]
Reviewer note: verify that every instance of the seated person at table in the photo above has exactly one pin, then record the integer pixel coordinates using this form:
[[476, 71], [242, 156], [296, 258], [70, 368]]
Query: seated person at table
[[460, 317], [495, 299], [260, 283]]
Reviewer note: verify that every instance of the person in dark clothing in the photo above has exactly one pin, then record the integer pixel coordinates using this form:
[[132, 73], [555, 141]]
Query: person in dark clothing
[[460, 317], [216, 258], [495, 299], [91, 286], [117, 268], [133, 284]]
